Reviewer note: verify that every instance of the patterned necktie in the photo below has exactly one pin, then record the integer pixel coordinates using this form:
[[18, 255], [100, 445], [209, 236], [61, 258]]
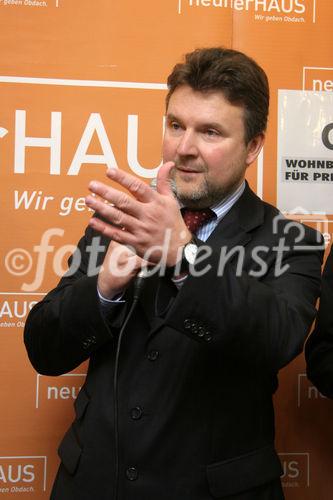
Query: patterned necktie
[[194, 219]]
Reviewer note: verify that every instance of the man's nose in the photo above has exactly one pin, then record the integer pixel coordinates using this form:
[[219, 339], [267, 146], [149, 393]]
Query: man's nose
[[187, 145]]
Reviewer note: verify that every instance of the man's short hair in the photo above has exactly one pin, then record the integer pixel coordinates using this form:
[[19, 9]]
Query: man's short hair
[[240, 79]]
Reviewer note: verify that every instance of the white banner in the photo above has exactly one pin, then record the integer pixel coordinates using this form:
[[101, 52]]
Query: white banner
[[305, 151]]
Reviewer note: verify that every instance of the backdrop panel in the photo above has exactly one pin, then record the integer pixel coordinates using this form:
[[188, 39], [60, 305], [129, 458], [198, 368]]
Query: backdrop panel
[[82, 87]]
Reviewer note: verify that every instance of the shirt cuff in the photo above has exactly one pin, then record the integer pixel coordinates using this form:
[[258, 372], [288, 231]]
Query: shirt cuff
[[178, 281], [118, 298]]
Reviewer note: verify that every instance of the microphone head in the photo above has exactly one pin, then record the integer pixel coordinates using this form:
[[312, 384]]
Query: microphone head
[[143, 273], [153, 185]]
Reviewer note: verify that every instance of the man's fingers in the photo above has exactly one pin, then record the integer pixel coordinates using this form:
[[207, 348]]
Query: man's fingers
[[121, 200], [112, 232], [163, 178], [111, 213], [139, 189]]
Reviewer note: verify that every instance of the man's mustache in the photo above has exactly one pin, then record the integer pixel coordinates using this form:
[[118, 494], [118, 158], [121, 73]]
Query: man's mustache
[[188, 166]]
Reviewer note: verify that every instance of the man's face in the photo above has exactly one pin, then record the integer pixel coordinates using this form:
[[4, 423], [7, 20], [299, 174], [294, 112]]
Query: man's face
[[204, 136]]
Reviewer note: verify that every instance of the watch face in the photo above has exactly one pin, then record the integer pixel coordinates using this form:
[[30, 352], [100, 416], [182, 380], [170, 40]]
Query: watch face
[[190, 252]]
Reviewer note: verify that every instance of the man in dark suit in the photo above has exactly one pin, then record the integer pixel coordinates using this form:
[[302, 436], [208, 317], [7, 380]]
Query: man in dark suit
[[177, 404], [319, 347]]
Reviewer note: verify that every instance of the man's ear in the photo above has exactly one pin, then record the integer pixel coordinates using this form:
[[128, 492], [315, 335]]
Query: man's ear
[[254, 147]]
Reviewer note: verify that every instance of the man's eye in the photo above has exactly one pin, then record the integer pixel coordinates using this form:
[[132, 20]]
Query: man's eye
[[174, 125], [212, 132]]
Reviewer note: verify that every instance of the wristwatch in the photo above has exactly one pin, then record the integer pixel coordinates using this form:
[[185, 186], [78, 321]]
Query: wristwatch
[[189, 254], [190, 251]]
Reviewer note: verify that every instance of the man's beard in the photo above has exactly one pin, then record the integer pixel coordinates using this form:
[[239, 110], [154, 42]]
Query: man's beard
[[206, 195]]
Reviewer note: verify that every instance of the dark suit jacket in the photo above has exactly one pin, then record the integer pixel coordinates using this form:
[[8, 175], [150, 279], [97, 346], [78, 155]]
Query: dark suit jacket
[[319, 347], [197, 367]]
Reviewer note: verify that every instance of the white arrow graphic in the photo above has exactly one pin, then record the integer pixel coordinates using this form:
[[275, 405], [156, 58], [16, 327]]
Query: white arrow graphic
[[3, 132]]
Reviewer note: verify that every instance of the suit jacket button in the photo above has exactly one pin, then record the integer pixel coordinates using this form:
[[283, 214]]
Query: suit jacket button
[[153, 355], [201, 332], [187, 324], [136, 413], [132, 473], [86, 344]]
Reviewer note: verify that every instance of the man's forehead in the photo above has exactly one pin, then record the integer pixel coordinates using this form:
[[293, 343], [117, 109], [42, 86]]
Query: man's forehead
[[185, 100], [200, 94]]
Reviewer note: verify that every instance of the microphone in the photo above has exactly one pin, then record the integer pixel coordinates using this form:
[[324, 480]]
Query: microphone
[[144, 272], [138, 283], [153, 185]]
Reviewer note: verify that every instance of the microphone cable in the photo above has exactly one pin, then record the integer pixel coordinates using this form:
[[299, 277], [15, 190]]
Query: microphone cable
[[138, 286]]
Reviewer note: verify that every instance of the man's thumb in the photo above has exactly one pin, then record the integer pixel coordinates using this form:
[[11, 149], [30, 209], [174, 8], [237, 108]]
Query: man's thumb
[[164, 181]]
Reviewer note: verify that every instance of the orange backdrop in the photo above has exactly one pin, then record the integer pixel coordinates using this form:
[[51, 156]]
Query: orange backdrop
[[82, 86]]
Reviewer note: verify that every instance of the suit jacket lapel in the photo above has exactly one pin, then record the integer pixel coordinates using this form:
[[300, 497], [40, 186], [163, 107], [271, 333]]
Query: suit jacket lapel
[[234, 229], [236, 226], [157, 296]]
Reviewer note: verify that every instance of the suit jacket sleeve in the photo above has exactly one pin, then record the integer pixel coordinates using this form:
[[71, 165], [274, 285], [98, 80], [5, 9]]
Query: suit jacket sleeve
[[319, 347], [257, 319], [65, 328]]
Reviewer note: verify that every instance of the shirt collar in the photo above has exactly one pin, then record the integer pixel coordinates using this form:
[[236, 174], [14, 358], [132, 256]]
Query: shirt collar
[[221, 208]]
